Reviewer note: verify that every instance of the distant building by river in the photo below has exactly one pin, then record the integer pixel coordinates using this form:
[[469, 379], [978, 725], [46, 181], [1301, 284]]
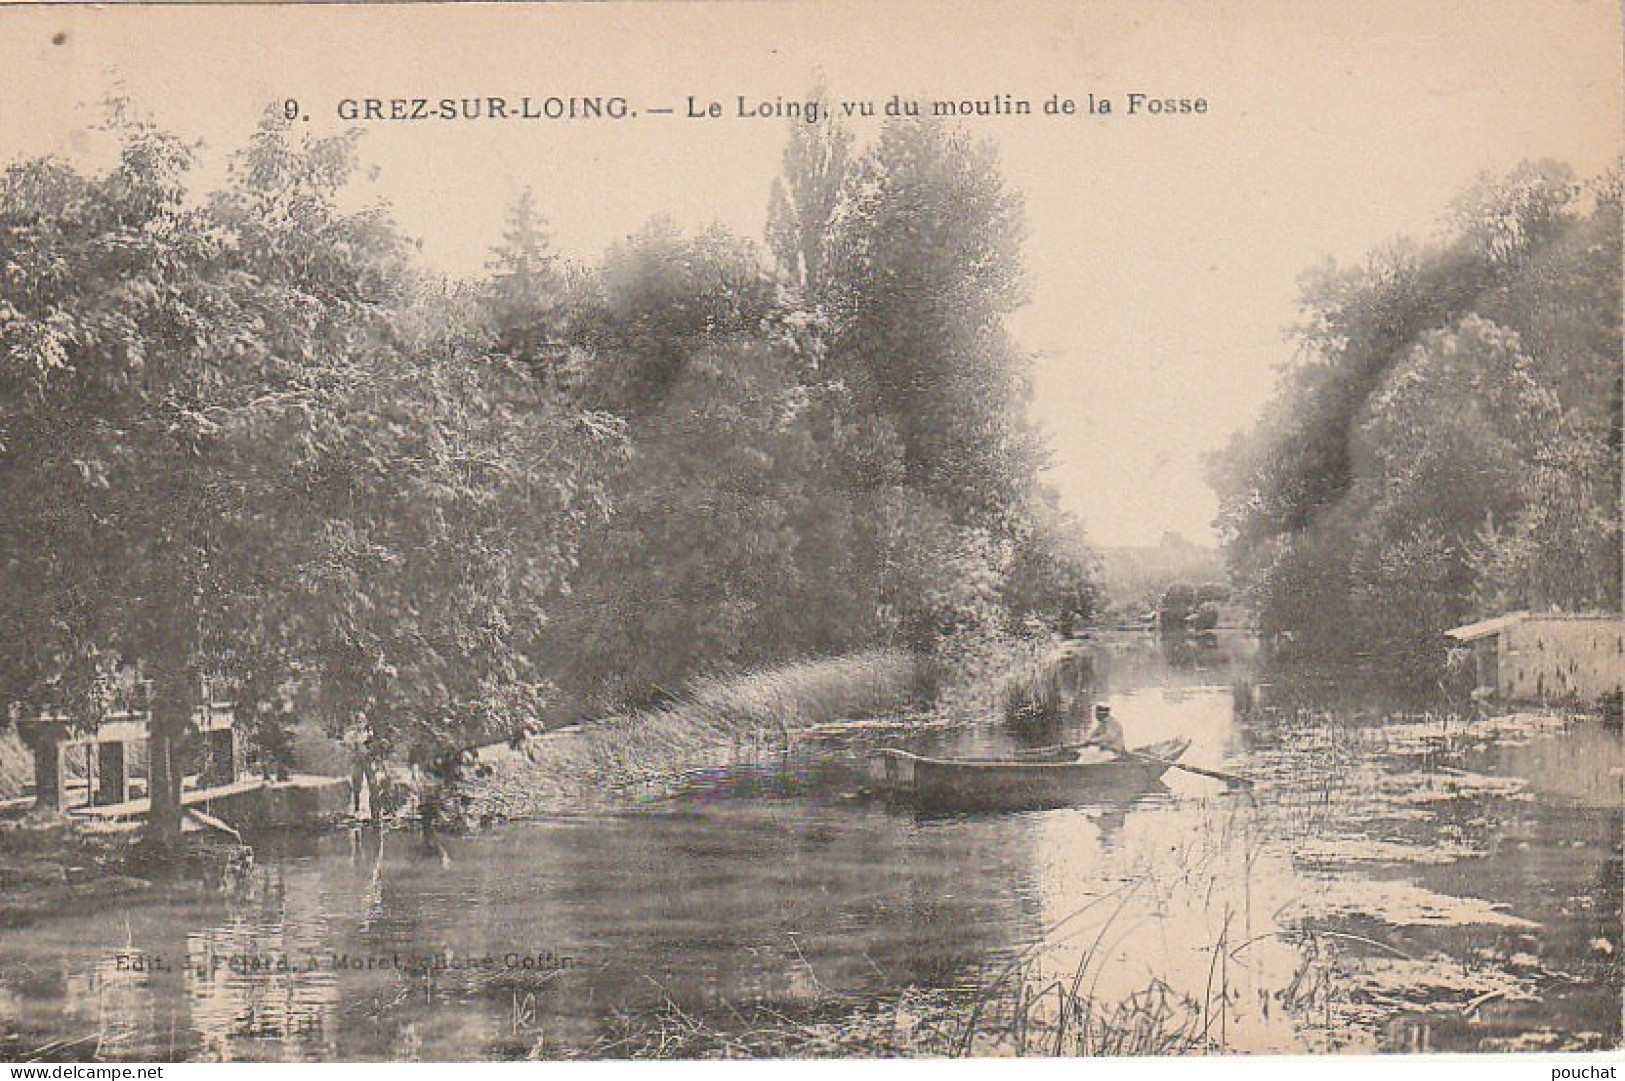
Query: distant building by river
[[1140, 575], [1547, 656], [98, 770]]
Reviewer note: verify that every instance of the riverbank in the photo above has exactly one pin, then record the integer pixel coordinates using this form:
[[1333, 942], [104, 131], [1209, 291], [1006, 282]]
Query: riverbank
[[50, 865], [47, 866], [719, 722]]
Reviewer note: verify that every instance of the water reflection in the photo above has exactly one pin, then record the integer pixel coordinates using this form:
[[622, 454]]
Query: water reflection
[[1400, 884]]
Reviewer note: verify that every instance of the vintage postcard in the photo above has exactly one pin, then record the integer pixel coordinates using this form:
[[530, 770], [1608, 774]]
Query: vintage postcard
[[836, 530]]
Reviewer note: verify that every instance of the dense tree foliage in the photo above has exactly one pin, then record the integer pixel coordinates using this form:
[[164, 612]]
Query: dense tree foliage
[[1447, 444], [805, 201], [525, 296], [243, 438], [925, 265], [825, 458], [223, 458]]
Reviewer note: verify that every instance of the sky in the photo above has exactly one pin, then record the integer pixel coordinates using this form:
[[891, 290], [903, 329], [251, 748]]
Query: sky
[[1163, 252]]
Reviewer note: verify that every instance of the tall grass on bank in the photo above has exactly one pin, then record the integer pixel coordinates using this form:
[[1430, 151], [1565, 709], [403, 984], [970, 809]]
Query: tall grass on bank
[[720, 720]]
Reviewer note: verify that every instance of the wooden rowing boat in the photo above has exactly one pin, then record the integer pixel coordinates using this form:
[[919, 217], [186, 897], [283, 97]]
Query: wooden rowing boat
[[1018, 784]]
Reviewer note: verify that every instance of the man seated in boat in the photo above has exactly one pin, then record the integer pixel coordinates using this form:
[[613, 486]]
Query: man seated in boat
[[1105, 737]]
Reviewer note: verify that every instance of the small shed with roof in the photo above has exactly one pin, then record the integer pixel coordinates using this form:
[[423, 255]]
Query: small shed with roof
[[1547, 656]]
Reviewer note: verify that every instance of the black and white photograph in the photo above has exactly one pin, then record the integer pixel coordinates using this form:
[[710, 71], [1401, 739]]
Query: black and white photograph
[[838, 531]]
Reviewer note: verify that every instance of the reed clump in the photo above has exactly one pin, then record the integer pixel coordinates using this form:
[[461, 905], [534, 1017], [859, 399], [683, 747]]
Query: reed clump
[[722, 719], [1020, 1013], [1049, 684]]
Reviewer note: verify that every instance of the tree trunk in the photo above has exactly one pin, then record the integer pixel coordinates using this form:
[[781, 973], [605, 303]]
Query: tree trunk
[[172, 695]]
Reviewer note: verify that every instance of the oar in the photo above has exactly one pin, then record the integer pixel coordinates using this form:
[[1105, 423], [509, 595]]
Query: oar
[[1217, 775]]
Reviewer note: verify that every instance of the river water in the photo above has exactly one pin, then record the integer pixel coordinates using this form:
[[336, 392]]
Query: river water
[[1399, 883]]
